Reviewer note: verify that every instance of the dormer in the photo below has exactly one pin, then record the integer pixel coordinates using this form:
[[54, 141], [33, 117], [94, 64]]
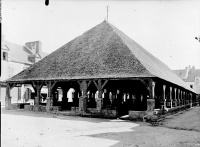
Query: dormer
[[35, 47]]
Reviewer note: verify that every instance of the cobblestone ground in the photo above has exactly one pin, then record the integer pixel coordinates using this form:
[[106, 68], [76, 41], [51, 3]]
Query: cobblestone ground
[[33, 129]]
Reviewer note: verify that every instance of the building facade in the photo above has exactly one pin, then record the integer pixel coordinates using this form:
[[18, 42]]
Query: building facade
[[14, 59], [191, 76]]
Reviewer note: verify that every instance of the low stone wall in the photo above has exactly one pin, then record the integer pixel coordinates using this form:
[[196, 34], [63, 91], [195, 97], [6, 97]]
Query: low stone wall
[[104, 113], [174, 110], [41, 108], [16, 106], [74, 109], [93, 112], [136, 115]]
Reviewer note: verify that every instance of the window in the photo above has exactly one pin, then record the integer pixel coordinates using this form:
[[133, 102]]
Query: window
[[5, 56]]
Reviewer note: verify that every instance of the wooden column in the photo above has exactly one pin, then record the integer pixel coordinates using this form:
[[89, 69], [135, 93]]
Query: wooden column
[[175, 99], [151, 100], [99, 85], [191, 100], [9, 86], [83, 98], [186, 101], [50, 86], [170, 97], [37, 87], [164, 97], [8, 97], [184, 97], [181, 97], [178, 101]]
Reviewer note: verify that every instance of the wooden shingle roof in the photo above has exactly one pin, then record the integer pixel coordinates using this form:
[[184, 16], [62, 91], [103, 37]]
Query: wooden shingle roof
[[101, 52]]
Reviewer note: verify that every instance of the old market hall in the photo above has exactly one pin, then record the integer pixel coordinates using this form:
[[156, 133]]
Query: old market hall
[[110, 74]]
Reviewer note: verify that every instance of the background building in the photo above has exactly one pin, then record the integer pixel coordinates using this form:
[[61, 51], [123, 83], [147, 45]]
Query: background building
[[14, 59], [191, 76]]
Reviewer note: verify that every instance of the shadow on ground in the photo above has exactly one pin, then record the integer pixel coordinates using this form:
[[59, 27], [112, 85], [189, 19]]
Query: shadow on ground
[[147, 136], [186, 120], [51, 115]]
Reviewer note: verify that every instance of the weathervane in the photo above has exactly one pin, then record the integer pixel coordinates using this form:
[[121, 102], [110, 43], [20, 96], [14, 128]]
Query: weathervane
[[107, 7]]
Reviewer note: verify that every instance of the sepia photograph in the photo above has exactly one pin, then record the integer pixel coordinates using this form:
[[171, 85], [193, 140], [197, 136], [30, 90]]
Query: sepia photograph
[[100, 73]]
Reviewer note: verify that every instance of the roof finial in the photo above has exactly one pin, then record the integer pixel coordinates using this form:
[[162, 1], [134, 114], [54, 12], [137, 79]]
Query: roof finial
[[107, 11]]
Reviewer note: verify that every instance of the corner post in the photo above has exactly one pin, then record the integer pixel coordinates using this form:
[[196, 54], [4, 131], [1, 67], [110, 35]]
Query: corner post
[[151, 100], [8, 97]]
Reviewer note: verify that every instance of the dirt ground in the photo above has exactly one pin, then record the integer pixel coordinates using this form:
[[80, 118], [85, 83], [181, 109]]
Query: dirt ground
[[34, 129], [187, 120]]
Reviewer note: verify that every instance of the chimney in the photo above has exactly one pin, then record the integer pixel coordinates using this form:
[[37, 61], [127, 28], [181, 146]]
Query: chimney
[[35, 47], [38, 47], [187, 72]]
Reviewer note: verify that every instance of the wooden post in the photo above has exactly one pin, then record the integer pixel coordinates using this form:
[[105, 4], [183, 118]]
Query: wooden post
[[9, 86], [178, 101], [170, 97], [181, 97], [175, 101], [37, 86], [8, 97], [151, 100], [190, 99], [164, 97], [100, 87], [186, 98], [50, 86], [83, 98]]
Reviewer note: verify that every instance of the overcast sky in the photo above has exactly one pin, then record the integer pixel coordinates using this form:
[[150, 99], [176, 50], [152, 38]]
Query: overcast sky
[[167, 29]]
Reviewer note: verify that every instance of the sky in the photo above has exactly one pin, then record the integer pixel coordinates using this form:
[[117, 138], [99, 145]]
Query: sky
[[167, 29]]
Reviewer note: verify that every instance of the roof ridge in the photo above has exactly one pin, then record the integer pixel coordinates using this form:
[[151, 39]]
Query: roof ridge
[[116, 29]]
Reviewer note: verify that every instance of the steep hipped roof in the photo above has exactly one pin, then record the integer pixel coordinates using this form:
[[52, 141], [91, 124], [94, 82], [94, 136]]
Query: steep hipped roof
[[102, 52]]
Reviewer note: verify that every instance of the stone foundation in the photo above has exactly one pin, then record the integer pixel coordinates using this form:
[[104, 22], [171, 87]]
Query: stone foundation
[[136, 115], [16, 106], [40, 108], [7, 102], [174, 110], [93, 112]]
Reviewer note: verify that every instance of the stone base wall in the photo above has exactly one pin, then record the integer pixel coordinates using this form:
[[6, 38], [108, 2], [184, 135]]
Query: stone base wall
[[104, 113], [93, 112], [40, 108], [75, 109], [136, 115], [174, 110], [16, 106]]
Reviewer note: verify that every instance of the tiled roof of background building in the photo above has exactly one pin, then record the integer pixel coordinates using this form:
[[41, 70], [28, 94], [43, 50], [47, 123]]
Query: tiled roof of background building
[[19, 53]]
